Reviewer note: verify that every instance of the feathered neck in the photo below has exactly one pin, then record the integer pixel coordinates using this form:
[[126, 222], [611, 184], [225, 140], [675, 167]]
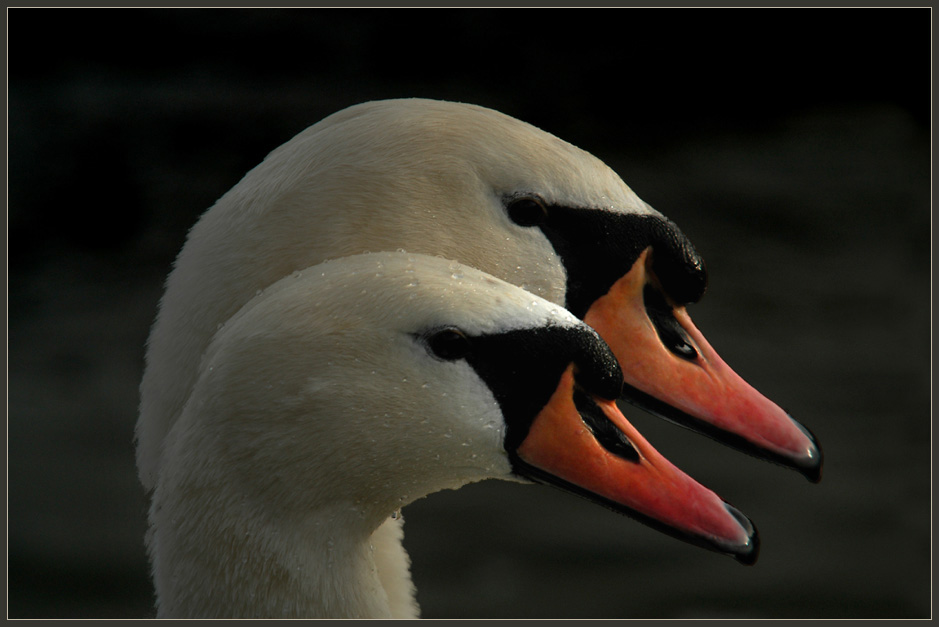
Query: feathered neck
[[244, 564], [223, 547]]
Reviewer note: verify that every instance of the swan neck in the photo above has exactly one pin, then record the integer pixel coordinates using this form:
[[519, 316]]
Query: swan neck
[[254, 568], [222, 546]]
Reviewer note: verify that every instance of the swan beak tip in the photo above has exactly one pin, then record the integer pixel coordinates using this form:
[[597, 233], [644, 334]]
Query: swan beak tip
[[811, 469], [748, 553]]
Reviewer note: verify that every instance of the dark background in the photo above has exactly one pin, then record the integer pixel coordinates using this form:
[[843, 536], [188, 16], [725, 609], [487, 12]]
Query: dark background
[[792, 147]]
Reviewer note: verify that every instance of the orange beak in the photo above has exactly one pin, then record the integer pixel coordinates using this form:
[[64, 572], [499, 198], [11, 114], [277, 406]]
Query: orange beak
[[670, 370], [585, 445]]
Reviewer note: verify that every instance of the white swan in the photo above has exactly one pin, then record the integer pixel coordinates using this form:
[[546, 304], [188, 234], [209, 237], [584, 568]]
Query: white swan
[[345, 391], [497, 194]]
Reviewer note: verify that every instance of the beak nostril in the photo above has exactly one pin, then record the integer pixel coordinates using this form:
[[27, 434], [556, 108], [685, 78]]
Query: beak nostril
[[606, 433], [670, 332]]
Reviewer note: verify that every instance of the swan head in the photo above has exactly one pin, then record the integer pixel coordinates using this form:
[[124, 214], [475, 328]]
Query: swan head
[[347, 390], [492, 192]]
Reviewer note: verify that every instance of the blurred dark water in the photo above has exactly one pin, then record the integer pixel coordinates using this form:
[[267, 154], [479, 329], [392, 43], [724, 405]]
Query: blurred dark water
[[793, 152]]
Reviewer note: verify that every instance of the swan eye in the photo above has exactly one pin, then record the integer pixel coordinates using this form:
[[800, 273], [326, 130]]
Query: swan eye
[[449, 344], [527, 211]]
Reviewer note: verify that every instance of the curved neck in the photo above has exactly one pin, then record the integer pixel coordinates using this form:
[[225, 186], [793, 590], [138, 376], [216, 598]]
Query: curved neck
[[233, 558]]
